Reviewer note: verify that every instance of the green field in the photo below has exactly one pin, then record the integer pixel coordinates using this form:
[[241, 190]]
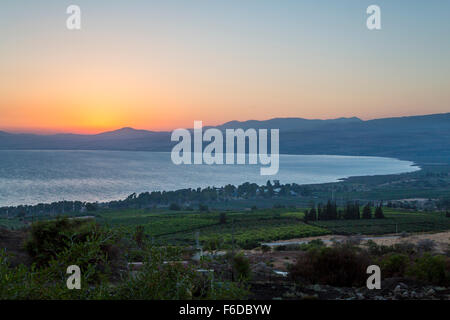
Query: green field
[[250, 233], [395, 222], [11, 223], [251, 228], [157, 224]]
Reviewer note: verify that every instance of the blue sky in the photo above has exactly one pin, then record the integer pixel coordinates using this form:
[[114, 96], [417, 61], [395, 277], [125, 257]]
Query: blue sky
[[162, 64]]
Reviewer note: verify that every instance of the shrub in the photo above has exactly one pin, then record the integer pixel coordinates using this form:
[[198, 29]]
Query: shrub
[[394, 265], [40, 284], [426, 245], [434, 269], [338, 266], [228, 291], [405, 247], [404, 234], [316, 243], [213, 243], [134, 255], [353, 240], [59, 243], [48, 238], [381, 250], [248, 244], [139, 236], [377, 250], [313, 244], [241, 267], [157, 280]]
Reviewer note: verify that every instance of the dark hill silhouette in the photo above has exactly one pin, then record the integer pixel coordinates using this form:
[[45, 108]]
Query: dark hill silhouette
[[125, 133], [421, 138], [287, 124]]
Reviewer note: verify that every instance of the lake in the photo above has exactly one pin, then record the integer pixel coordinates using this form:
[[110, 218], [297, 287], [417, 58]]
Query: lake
[[31, 177]]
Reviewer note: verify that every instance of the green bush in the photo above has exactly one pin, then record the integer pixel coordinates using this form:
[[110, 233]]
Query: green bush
[[157, 280], [241, 267], [22, 283], [394, 265], [48, 238], [60, 243], [248, 244], [313, 244], [228, 291], [426, 245], [431, 268], [139, 236], [381, 250], [213, 243], [338, 266]]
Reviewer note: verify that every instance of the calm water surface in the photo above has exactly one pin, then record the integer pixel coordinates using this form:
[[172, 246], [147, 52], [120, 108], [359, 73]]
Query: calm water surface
[[30, 177]]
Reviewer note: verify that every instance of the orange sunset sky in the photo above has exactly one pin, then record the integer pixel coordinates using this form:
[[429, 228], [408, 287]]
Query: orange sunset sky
[[160, 65]]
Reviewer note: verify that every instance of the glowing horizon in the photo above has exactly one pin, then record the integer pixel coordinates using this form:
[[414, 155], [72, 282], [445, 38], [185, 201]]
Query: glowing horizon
[[160, 65], [88, 131]]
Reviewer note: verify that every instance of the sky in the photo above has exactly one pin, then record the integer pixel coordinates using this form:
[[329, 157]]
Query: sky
[[160, 65]]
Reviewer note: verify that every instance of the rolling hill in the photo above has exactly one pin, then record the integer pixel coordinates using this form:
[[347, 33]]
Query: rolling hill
[[420, 138]]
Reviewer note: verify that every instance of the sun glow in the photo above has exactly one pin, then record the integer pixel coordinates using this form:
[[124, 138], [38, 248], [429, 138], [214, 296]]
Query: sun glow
[[161, 67]]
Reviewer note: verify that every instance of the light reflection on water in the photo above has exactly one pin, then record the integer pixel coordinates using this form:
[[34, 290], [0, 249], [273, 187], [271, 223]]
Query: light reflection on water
[[30, 177]]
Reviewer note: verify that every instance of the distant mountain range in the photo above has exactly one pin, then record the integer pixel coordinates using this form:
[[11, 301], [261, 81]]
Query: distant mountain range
[[420, 138], [288, 124]]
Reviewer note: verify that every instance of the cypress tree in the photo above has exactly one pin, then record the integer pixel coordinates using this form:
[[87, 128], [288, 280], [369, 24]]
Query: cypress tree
[[367, 212], [329, 210], [356, 208], [379, 212], [312, 214], [320, 212], [348, 211], [335, 211]]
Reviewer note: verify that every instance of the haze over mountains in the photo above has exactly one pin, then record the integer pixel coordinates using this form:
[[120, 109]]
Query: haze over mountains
[[420, 138]]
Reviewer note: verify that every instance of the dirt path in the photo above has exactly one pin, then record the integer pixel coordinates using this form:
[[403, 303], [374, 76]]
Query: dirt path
[[279, 260], [442, 239]]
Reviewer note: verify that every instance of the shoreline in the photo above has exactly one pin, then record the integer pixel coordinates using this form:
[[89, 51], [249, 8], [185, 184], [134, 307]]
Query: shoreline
[[412, 165]]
